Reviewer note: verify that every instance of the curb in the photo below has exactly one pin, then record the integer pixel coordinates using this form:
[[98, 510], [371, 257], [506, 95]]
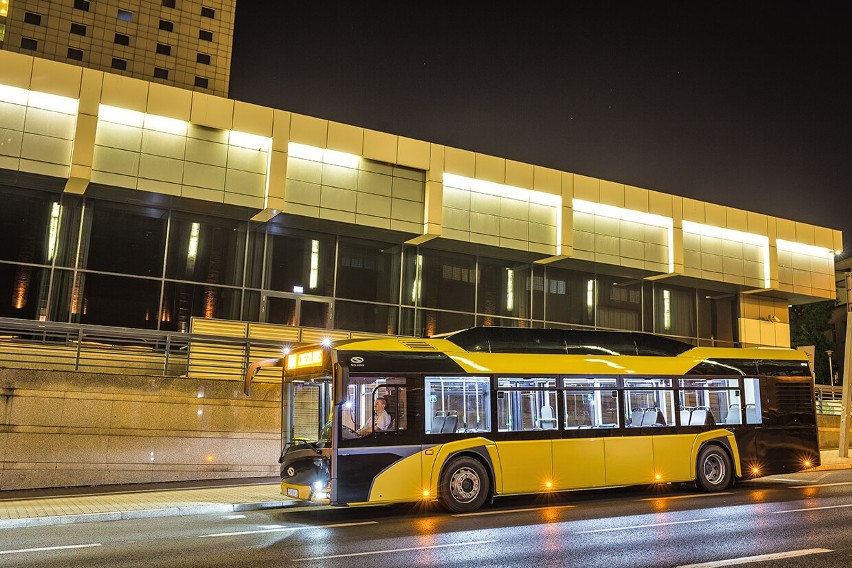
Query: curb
[[28, 522], [831, 467]]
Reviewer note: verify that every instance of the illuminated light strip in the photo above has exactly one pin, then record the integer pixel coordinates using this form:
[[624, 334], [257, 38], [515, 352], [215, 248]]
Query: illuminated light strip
[[37, 99], [633, 216], [165, 124], [315, 154], [732, 235], [249, 141], [123, 116], [804, 249], [502, 190], [53, 232]]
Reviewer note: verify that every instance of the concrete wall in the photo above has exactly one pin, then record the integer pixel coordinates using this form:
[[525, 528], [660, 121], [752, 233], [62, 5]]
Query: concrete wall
[[64, 429], [829, 431]]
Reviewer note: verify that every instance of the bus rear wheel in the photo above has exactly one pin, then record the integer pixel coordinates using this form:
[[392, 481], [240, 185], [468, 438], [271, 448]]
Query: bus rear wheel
[[714, 470], [464, 485]]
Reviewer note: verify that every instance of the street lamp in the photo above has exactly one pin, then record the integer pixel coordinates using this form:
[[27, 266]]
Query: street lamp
[[830, 369]]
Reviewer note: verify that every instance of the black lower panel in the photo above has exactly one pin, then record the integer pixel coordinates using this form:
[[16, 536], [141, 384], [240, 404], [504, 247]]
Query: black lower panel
[[777, 449], [355, 474]]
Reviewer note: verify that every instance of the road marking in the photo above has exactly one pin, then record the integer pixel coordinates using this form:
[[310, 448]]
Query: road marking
[[393, 550], [283, 529], [480, 513], [49, 548], [685, 496], [812, 509], [759, 558], [642, 526], [821, 485]]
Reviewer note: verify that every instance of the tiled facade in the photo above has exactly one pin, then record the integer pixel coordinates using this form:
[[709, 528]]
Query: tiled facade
[[183, 43], [90, 128]]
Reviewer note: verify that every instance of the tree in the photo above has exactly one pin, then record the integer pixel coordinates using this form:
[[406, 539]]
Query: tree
[[810, 325]]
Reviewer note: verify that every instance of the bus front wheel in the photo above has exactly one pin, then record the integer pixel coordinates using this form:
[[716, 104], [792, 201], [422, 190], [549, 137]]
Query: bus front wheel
[[714, 469], [464, 485]]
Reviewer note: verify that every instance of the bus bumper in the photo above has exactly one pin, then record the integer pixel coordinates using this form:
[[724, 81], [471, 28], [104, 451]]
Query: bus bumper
[[316, 493]]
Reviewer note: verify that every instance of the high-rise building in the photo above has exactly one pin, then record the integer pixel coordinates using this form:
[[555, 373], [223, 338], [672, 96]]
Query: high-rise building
[[184, 43]]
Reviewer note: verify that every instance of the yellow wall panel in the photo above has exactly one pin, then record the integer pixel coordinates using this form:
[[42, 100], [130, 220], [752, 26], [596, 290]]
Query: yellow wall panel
[[526, 466], [380, 146], [84, 140], [823, 237], [124, 92], [345, 138], [436, 163], [490, 168], [413, 153], [165, 100], [546, 180], [587, 188], [280, 130], [693, 211], [636, 198], [211, 111], [804, 233], [661, 204], [16, 69], [90, 91], [56, 78], [586, 451], [460, 162], [252, 119], [715, 215], [757, 223], [737, 219], [612, 193], [519, 174], [785, 229]]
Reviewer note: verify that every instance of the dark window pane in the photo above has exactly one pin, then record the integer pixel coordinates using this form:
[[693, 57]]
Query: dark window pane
[[169, 3], [102, 299], [202, 58], [122, 39], [368, 270], [201, 82], [314, 314], [29, 43], [125, 16], [26, 218], [206, 249], [61, 294], [161, 73], [504, 288], [120, 64], [256, 245], [205, 35], [23, 290], [32, 18], [164, 49], [717, 317], [76, 54], [208, 12], [70, 213], [619, 303], [283, 311], [674, 310], [81, 5], [373, 318], [538, 292], [181, 302], [166, 25], [437, 279], [124, 239], [298, 262], [569, 296], [78, 29], [251, 305], [425, 323]]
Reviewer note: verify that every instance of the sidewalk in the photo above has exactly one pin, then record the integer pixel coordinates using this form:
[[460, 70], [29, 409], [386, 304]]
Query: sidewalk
[[39, 507]]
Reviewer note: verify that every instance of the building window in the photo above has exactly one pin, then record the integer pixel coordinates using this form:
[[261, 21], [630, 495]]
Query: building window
[[208, 12], [203, 58], [120, 64], [31, 18], [205, 35], [167, 26], [169, 3], [31, 44], [81, 5], [76, 54], [122, 39], [161, 73], [78, 29], [201, 82], [164, 49], [125, 15]]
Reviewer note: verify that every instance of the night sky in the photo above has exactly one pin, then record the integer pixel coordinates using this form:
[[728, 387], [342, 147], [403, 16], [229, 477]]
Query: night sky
[[744, 104]]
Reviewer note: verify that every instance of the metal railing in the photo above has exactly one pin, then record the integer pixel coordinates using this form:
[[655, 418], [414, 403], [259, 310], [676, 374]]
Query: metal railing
[[828, 399]]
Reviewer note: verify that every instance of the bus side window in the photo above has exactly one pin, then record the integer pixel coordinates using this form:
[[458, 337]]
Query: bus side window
[[752, 401]]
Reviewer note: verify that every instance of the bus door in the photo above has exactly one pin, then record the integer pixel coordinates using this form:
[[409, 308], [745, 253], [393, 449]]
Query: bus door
[[377, 456]]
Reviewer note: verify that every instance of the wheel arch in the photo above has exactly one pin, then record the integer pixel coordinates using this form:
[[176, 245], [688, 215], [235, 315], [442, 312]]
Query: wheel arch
[[479, 452], [724, 440]]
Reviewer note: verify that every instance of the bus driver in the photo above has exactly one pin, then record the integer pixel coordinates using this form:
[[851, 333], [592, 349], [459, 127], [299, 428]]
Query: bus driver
[[381, 419]]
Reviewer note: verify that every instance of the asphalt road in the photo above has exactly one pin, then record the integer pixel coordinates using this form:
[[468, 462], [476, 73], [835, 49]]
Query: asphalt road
[[797, 520]]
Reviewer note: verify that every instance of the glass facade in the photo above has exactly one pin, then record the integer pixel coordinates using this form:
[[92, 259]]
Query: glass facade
[[87, 260]]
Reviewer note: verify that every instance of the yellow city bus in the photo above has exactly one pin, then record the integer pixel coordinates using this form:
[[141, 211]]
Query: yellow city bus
[[493, 411]]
